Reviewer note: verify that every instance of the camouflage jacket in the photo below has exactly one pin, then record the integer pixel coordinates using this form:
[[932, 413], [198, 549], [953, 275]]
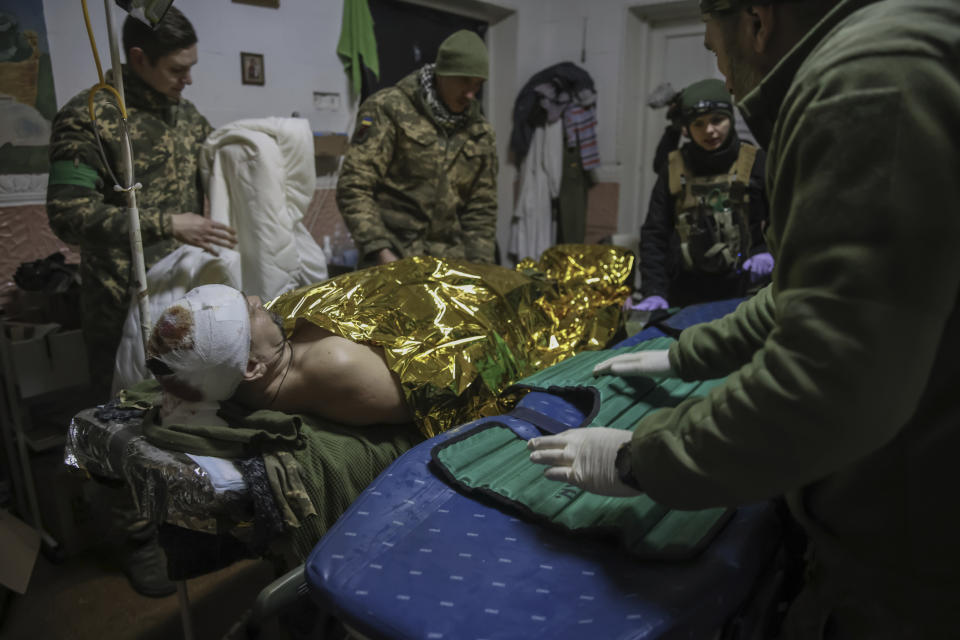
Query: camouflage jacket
[[409, 185], [82, 206]]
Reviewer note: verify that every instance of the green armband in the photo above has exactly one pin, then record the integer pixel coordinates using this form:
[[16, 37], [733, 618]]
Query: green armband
[[66, 172]]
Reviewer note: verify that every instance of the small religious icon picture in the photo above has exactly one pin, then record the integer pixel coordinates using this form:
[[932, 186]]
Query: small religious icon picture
[[251, 68]]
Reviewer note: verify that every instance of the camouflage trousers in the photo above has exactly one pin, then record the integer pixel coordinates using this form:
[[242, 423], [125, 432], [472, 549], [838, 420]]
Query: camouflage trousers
[[104, 310]]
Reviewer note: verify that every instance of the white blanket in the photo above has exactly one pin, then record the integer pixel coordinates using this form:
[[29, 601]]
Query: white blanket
[[168, 280], [260, 177]]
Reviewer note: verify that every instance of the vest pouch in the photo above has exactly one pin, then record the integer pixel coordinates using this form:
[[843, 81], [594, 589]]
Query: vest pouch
[[708, 240], [712, 214]]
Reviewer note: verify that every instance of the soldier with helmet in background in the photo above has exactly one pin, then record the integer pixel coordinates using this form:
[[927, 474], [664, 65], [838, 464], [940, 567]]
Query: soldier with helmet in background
[[702, 238]]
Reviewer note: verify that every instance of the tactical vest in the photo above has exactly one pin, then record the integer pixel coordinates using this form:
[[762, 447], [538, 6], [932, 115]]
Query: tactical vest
[[713, 213]]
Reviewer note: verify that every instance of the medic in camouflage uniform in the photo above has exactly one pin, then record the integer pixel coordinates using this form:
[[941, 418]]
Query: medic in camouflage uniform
[[702, 238], [420, 176], [166, 133]]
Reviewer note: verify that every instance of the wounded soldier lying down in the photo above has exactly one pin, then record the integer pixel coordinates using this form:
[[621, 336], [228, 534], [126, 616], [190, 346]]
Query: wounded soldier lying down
[[423, 339]]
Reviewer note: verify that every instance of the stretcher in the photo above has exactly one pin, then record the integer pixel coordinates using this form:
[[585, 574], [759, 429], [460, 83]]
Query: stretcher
[[209, 514], [414, 558]]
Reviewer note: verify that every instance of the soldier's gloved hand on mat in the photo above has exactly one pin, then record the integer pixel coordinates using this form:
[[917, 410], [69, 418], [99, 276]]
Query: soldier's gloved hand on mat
[[654, 363], [759, 265], [585, 457], [651, 303]]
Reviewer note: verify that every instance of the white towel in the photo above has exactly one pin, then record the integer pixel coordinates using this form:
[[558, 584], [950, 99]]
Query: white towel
[[223, 474]]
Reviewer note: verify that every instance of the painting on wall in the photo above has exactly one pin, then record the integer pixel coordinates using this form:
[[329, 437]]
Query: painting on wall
[[251, 68], [27, 101]]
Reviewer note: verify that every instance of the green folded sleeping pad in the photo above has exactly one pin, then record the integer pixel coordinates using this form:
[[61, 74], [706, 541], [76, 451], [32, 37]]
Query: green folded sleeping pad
[[491, 461]]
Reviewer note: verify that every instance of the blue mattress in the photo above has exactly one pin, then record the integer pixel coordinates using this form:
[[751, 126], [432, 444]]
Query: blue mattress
[[412, 558]]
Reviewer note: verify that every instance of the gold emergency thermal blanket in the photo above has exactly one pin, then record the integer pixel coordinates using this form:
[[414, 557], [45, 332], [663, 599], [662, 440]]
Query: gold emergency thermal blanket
[[458, 333]]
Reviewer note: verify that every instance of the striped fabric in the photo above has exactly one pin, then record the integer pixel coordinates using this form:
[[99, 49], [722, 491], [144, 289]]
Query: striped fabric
[[580, 124]]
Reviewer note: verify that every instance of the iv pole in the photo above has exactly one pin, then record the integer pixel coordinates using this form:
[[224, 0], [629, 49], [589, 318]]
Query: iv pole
[[138, 279], [150, 12]]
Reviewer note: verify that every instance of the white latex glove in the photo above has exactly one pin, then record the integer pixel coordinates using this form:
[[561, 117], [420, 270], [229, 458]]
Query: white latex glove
[[584, 457], [641, 363]]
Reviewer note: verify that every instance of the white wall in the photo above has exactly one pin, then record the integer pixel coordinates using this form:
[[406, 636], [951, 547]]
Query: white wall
[[299, 46], [299, 41], [613, 49], [590, 36]]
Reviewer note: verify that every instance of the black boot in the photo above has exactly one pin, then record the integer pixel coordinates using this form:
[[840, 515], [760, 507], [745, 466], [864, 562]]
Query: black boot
[[145, 564]]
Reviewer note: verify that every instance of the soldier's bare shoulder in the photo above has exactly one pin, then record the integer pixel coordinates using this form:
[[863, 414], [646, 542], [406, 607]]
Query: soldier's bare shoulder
[[335, 361], [323, 352], [344, 380]]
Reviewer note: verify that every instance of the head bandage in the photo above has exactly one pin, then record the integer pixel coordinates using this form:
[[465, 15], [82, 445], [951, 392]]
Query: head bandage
[[199, 346]]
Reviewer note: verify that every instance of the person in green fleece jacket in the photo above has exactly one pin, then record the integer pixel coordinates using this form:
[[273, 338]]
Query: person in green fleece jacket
[[842, 375]]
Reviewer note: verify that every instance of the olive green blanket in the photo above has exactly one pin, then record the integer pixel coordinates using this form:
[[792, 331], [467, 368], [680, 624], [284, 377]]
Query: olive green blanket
[[332, 463]]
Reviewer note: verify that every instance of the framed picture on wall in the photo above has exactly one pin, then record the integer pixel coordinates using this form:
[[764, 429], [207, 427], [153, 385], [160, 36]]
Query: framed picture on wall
[[274, 4], [251, 68]]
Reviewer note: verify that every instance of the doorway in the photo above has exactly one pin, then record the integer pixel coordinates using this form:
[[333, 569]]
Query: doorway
[[499, 92], [408, 37], [664, 45]]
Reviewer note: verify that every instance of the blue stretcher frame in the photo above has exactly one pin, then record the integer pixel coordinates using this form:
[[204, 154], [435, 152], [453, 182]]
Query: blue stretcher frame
[[412, 558]]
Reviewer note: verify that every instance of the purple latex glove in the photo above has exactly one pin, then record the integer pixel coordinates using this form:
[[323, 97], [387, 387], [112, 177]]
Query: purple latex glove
[[759, 265], [650, 303]]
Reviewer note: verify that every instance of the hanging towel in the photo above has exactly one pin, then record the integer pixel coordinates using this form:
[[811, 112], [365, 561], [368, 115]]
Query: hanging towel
[[580, 124], [358, 45], [570, 84], [533, 229]]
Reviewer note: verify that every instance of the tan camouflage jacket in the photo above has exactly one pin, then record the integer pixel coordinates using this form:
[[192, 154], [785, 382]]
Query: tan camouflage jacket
[[409, 185], [83, 209]]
